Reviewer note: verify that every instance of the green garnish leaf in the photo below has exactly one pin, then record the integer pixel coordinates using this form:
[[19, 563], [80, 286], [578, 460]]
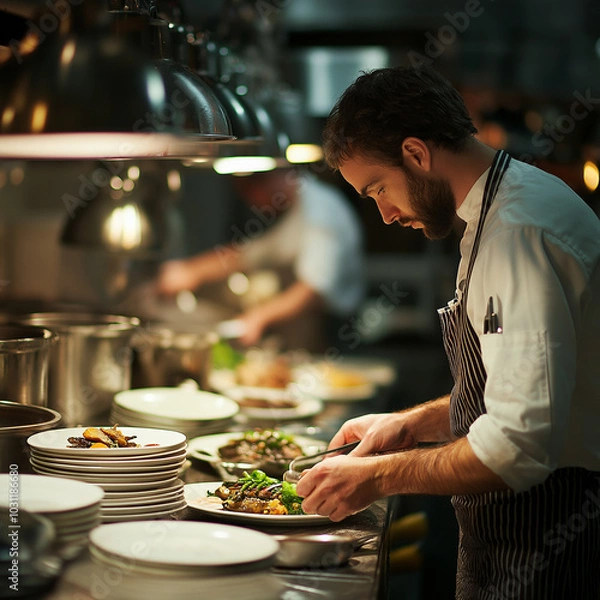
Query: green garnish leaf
[[224, 356]]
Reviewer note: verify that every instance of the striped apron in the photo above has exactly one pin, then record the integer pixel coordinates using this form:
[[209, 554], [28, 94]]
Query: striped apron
[[540, 544]]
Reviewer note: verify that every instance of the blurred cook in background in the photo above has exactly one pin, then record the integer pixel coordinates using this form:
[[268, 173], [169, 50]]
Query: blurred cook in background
[[310, 236]]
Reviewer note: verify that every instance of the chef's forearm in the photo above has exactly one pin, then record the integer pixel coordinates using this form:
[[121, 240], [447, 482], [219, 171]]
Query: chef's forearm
[[450, 469], [430, 421], [289, 304]]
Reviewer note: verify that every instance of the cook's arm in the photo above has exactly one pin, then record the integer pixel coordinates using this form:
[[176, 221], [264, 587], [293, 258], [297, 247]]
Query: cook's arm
[[344, 485], [190, 273], [289, 304], [427, 422]]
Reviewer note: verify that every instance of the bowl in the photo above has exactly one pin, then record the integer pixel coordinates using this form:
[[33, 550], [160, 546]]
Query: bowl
[[323, 551], [19, 421]]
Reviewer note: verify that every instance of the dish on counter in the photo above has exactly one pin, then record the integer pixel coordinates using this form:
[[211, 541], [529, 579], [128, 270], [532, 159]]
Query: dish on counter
[[182, 545], [259, 494], [197, 496], [345, 379], [248, 455], [176, 404], [331, 382], [271, 409], [151, 441]]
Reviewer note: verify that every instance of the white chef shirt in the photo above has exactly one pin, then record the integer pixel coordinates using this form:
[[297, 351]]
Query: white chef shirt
[[539, 259], [320, 238]]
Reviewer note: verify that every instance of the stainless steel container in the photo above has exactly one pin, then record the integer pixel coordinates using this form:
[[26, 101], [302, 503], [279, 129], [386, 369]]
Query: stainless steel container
[[166, 355], [24, 358], [89, 364], [17, 423]]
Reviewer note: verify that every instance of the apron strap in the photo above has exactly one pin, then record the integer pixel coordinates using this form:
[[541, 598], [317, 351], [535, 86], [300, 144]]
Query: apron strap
[[497, 170]]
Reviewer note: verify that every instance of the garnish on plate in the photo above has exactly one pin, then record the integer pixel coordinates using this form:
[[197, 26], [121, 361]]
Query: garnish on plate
[[258, 493]]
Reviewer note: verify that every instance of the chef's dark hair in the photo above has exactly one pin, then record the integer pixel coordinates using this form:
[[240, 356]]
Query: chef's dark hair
[[385, 106]]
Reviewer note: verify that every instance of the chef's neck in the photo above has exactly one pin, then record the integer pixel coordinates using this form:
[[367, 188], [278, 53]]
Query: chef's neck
[[462, 169]]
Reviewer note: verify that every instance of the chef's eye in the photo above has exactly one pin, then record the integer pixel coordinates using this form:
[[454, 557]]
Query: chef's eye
[[380, 191]]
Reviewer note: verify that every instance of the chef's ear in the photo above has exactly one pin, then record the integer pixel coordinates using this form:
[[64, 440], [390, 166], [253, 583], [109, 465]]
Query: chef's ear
[[416, 153]]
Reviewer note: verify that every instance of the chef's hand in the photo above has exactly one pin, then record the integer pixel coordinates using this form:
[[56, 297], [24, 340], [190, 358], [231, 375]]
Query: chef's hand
[[177, 275], [378, 433], [339, 486], [253, 325]]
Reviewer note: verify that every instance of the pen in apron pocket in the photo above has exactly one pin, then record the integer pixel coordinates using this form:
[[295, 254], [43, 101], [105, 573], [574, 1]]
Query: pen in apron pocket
[[490, 321]]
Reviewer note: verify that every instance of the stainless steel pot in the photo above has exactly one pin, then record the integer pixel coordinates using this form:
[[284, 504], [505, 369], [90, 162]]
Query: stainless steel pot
[[24, 357], [166, 355], [89, 364], [319, 551], [17, 423]]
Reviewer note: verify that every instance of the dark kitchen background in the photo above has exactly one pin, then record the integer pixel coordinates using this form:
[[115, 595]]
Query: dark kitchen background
[[529, 71]]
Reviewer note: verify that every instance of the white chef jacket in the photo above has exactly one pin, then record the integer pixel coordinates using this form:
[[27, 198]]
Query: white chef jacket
[[539, 260], [320, 238]]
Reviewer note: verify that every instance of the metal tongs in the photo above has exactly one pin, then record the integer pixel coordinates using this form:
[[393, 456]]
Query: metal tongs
[[299, 464]]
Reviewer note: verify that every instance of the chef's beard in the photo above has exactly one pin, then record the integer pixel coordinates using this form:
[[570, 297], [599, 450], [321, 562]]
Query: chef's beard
[[433, 204]]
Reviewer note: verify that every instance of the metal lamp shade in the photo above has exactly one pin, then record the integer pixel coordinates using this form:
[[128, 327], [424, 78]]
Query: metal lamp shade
[[94, 96]]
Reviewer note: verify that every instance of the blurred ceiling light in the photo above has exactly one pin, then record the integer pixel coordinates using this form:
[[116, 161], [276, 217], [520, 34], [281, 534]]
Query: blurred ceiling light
[[266, 156], [124, 227], [17, 175], [303, 153], [126, 216], [174, 180], [186, 301], [591, 175], [83, 93], [133, 172], [238, 283], [243, 164], [116, 183]]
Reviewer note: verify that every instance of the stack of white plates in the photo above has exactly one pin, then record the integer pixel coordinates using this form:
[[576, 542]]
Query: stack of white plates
[[138, 483], [180, 548], [72, 506], [190, 411]]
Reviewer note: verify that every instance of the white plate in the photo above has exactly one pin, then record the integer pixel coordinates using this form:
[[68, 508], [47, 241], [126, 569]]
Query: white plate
[[50, 494], [196, 498], [183, 543], [221, 380], [121, 464], [91, 468], [375, 370], [176, 504], [142, 501], [306, 408], [308, 380], [126, 495], [105, 460], [212, 443], [54, 441], [311, 380], [108, 477], [120, 486], [177, 403]]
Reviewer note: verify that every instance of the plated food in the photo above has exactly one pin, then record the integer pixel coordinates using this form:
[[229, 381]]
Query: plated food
[[149, 441], [258, 493], [270, 450], [263, 370], [259, 445], [198, 497], [102, 437], [334, 383]]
